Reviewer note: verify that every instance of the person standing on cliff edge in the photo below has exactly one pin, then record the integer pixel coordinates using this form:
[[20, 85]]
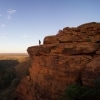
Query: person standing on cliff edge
[[39, 42]]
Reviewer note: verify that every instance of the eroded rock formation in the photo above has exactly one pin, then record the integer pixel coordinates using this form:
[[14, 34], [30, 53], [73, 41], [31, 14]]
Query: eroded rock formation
[[71, 56]]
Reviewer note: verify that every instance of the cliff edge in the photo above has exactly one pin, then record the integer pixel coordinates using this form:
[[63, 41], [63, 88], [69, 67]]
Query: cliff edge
[[71, 56]]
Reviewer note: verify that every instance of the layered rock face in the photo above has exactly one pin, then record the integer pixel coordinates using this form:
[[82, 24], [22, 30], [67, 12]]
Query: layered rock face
[[71, 56]]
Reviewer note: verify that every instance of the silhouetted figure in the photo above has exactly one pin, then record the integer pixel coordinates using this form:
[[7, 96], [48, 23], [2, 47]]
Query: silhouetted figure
[[39, 42]]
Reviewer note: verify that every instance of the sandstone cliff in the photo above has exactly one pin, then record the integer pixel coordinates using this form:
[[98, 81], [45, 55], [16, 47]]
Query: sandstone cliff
[[71, 56]]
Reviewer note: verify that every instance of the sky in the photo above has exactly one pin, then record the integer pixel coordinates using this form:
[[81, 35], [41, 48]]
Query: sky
[[24, 22]]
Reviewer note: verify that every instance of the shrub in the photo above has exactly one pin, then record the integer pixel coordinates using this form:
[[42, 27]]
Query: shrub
[[78, 92], [7, 78], [7, 72]]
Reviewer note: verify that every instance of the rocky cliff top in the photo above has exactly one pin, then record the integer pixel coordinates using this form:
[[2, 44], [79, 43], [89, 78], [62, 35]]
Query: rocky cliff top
[[83, 39], [71, 56]]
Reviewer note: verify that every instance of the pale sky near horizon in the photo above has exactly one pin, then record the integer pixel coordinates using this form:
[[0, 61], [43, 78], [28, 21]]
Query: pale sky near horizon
[[24, 22]]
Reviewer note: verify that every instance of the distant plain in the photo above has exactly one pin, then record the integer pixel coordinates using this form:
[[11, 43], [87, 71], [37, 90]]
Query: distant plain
[[13, 56]]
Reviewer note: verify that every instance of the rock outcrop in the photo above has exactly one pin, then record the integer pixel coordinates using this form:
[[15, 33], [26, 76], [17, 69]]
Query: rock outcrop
[[71, 56]]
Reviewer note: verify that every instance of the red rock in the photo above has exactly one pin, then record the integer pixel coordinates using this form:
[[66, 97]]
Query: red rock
[[50, 40], [71, 56], [91, 72]]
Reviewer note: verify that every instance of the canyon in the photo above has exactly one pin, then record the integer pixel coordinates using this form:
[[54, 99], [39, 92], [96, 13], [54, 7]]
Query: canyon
[[70, 56]]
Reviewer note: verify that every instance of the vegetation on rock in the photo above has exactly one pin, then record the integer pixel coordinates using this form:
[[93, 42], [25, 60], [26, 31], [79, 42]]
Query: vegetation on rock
[[79, 92]]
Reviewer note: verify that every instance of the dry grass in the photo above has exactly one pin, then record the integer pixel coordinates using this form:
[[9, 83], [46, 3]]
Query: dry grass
[[13, 56]]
